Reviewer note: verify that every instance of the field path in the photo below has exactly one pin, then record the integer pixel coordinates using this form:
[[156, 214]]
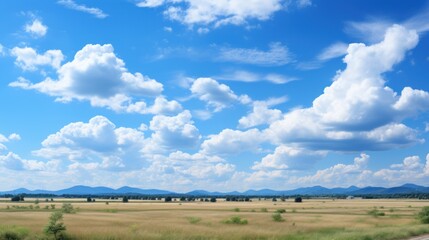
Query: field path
[[424, 237]]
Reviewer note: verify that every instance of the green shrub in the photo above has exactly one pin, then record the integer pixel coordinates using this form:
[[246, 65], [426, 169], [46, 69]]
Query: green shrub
[[236, 220], [194, 220], [277, 217], [67, 208], [280, 210], [236, 209], [376, 213], [423, 215], [264, 210], [13, 233]]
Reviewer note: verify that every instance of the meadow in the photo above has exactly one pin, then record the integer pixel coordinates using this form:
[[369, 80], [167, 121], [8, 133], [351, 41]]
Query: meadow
[[365, 219]]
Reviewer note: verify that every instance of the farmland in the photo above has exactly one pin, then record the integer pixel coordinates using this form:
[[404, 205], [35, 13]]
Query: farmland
[[138, 219]]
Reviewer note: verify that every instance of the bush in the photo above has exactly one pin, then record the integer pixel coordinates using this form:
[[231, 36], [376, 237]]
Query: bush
[[125, 199], [236, 220], [277, 217], [298, 199], [167, 199], [236, 209], [376, 213], [13, 233], [67, 208], [280, 210], [264, 210], [423, 215]]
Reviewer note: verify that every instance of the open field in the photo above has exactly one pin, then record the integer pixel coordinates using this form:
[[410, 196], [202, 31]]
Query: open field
[[312, 219]]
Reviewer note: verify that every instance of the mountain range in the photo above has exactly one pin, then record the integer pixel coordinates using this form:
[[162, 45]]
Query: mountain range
[[316, 190]]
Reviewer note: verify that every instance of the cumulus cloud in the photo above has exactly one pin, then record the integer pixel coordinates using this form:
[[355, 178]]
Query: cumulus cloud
[[28, 59], [96, 12], [14, 162], [97, 143], [289, 158], [230, 142], [358, 107], [174, 132], [36, 28], [277, 55], [339, 175], [2, 50], [97, 75], [262, 114], [217, 13], [216, 95]]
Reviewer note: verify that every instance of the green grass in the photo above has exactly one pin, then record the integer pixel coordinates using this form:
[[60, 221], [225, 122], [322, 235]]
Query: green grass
[[386, 233], [13, 233]]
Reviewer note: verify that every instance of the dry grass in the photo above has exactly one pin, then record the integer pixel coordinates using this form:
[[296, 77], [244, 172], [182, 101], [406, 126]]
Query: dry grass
[[312, 219]]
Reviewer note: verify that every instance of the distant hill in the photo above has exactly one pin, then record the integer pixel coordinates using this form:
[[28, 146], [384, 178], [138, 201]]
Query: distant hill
[[313, 191]]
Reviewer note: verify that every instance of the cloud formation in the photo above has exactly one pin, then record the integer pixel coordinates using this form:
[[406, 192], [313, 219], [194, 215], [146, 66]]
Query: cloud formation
[[277, 55], [96, 12], [96, 75], [36, 28], [358, 108]]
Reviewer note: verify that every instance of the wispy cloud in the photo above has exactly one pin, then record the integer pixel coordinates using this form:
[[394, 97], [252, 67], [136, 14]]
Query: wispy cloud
[[333, 51], [80, 7], [277, 55], [246, 76]]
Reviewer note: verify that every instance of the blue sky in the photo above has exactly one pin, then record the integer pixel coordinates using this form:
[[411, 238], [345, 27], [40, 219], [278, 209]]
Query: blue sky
[[216, 95]]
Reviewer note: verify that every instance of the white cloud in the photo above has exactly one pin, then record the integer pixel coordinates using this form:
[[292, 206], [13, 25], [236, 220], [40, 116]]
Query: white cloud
[[261, 114], [14, 137], [289, 158], [36, 28], [168, 29], [277, 55], [97, 75], [174, 132], [218, 96], [246, 76], [340, 175], [150, 3], [371, 31], [96, 12], [28, 59], [358, 107], [426, 127], [97, 143], [230, 142], [216, 13], [333, 51], [14, 162]]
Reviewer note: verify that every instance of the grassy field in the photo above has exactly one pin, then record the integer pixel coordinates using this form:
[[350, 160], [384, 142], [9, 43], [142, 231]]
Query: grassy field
[[312, 219]]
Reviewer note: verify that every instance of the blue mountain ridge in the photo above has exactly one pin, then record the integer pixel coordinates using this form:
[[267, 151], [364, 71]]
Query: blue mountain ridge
[[315, 190]]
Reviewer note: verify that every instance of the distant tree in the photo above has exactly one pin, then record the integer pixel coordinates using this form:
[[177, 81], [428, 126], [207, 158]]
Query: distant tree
[[167, 199], [125, 199], [274, 199], [88, 199], [55, 225], [213, 199], [182, 199], [15, 199], [247, 199], [298, 199]]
